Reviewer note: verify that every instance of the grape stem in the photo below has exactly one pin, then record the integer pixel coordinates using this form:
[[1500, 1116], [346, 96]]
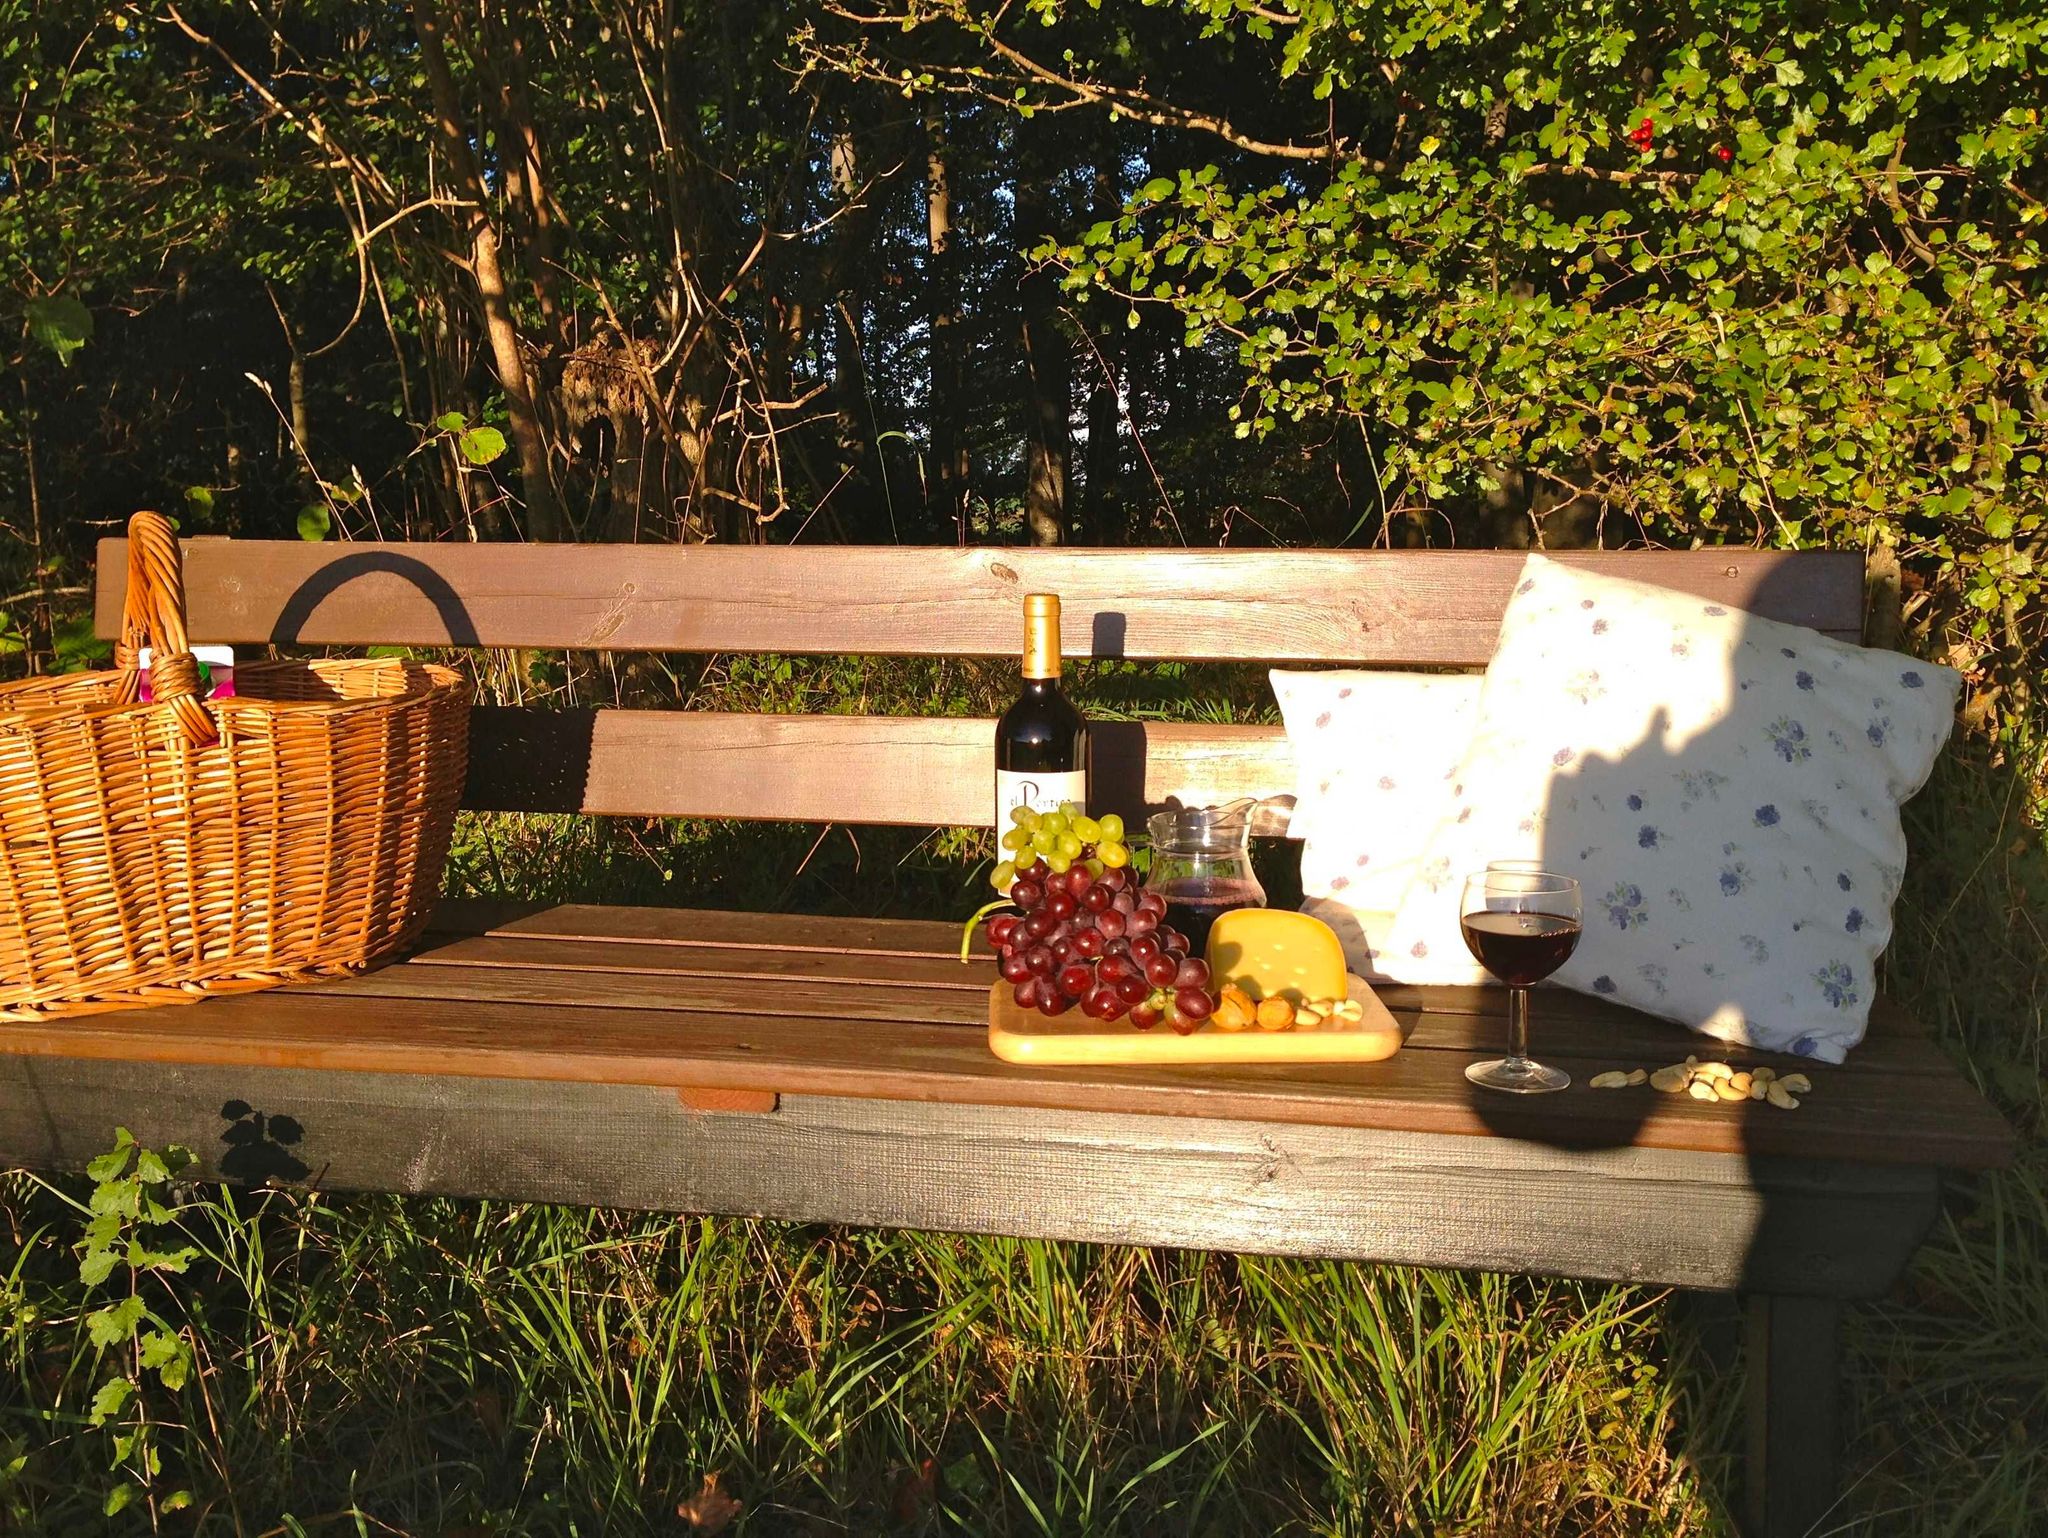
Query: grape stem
[[973, 921]]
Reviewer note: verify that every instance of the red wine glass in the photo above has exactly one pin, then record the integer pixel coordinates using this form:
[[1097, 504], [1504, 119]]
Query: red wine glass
[[1521, 924]]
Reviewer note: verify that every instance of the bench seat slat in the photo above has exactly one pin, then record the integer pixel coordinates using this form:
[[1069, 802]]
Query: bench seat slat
[[673, 1028], [900, 1060], [598, 924], [1390, 606], [825, 987]]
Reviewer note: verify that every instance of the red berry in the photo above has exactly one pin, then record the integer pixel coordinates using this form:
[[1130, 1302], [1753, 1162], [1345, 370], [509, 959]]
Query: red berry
[[1026, 894], [1133, 990], [1088, 944], [1097, 897], [1060, 903], [1161, 971], [1041, 960], [1723, 153], [1076, 979], [1111, 924], [1014, 967], [1000, 928], [1190, 974], [1145, 1016], [1193, 1003], [1052, 1002], [1145, 947]]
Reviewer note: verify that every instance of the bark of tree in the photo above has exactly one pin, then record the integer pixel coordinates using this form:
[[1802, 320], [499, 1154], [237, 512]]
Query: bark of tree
[[525, 183], [1048, 363], [543, 508], [1102, 513], [949, 479], [850, 401]]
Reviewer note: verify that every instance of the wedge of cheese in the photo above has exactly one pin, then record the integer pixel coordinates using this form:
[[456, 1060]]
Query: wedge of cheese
[[1271, 952]]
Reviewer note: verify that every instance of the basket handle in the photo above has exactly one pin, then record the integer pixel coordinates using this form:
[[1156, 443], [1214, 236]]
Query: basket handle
[[153, 615]]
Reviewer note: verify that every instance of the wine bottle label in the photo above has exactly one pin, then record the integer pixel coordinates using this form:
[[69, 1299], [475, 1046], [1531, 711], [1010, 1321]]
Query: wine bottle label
[[1040, 792]]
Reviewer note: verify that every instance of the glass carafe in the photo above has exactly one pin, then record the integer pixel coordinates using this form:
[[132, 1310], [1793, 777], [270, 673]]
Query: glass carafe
[[1202, 865]]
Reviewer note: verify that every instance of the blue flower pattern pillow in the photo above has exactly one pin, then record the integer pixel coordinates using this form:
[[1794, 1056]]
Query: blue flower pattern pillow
[[1725, 788]]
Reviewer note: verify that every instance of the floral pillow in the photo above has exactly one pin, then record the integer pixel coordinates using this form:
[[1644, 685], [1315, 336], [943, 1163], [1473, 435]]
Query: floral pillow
[[1372, 755], [1726, 788]]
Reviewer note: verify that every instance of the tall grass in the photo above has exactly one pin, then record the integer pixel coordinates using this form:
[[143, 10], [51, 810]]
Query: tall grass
[[387, 1365]]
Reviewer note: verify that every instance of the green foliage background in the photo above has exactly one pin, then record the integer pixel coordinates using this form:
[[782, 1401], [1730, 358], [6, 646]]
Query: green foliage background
[[1802, 304]]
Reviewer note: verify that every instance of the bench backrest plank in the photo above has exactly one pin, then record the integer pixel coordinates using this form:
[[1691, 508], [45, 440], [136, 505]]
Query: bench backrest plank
[[1437, 608], [1385, 607]]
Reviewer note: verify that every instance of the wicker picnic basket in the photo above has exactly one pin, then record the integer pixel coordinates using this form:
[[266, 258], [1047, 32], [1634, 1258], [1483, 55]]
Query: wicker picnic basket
[[163, 853]]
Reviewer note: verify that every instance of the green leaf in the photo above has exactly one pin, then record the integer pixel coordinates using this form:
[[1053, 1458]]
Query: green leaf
[[112, 1398], [166, 1356], [315, 522], [451, 421], [199, 499], [119, 1498], [115, 1323], [481, 445], [177, 1500], [96, 1267], [112, 1164], [61, 324]]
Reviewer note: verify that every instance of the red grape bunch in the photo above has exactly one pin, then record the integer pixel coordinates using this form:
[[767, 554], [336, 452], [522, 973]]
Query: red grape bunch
[[1095, 939]]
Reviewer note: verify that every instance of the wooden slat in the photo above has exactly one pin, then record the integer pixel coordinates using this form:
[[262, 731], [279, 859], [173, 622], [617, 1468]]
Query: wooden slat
[[825, 985], [868, 769], [1624, 1214], [1891, 1119], [1251, 605], [593, 923], [1793, 1387]]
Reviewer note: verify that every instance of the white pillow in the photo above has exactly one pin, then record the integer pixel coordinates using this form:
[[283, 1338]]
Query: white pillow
[[1373, 754], [1726, 789]]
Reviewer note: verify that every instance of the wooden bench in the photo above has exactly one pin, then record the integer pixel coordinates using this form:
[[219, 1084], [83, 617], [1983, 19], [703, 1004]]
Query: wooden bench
[[689, 1061]]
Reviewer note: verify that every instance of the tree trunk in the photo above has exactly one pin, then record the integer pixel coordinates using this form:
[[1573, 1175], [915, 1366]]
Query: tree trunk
[[949, 447], [525, 186], [1048, 367], [850, 399], [1102, 515], [543, 509]]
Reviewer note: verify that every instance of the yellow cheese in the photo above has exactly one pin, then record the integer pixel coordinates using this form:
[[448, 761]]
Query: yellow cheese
[[1269, 952]]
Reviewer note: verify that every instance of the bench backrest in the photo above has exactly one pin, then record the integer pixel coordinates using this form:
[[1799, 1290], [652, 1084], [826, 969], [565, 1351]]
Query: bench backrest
[[1389, 608]]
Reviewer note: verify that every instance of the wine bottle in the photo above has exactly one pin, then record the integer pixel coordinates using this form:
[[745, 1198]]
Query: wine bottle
[[1042, 740]]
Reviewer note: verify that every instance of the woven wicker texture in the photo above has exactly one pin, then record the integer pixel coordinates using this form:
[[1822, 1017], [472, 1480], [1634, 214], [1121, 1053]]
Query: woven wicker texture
[[161, 853]]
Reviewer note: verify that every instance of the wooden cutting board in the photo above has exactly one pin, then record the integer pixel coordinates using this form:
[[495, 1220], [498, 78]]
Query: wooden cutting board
[[1025, 1036]]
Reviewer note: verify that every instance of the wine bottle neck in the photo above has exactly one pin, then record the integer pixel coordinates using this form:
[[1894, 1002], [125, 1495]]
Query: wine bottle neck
[[1042, 640]]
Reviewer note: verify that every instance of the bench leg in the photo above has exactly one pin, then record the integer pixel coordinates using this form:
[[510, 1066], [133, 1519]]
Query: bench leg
[[1794, 1413]]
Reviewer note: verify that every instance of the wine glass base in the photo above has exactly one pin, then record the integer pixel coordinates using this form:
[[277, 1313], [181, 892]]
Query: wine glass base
[[1518, 1076]]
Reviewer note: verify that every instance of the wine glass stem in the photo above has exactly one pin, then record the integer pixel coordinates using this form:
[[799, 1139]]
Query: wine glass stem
[[1518, 1024]]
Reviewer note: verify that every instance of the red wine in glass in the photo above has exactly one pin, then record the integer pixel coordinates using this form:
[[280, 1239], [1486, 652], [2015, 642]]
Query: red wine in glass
[[1521, 923], [1520, 948], [1193, 905]]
